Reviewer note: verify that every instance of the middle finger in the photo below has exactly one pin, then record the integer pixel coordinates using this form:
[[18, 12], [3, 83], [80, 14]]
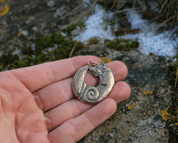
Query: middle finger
[[60, 92], [74, 107]]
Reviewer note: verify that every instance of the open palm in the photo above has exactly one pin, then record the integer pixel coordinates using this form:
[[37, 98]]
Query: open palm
[[37, 104]]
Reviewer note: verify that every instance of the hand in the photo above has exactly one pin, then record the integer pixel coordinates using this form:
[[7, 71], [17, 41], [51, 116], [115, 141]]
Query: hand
[[37, 104]]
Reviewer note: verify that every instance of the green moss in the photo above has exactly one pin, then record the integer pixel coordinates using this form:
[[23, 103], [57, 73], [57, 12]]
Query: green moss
[[1, 67], [58, 38], [94, 40], [23, 62], [42, 53], [121, 44], [27, 51], [43, 43], [8, 59], [72, 27]]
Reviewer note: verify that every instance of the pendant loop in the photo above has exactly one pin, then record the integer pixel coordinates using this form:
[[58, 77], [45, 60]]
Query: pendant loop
[[93, 64], [91, 94]]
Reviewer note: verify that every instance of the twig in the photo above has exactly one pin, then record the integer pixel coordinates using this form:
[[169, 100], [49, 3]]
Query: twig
[[72, 50], [124, 17], [161, 31], [176, 78], [163, 6], [114, 3], [134, 4], [168, 12], [172, 24], [144, 5], [161, 24], [73, 10], [94, 6]]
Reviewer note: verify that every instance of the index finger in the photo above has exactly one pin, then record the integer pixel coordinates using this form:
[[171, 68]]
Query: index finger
[[39, 76]]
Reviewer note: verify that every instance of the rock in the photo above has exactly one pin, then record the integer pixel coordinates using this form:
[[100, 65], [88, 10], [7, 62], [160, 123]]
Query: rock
[[139, 118], [5, 25], [34, 28], [33, 46], [26, 5], [37, 18], [50, 3], [60, 12], [25, 33], [16, 52], [13, 18], [76, 31], [111, 134], [31, 19]]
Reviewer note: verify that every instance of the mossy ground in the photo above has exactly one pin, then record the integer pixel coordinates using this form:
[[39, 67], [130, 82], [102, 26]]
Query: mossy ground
[[121, 44], [94, 40], [72, 27], [42, 53]]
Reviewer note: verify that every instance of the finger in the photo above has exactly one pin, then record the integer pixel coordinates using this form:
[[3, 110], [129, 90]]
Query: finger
[[120, 92], [74, 129], [36, 77], [64, 112], [59, 92], [74, 107]]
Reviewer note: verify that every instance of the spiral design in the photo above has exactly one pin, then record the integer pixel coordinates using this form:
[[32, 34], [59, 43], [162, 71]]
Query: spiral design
[[91, 93]]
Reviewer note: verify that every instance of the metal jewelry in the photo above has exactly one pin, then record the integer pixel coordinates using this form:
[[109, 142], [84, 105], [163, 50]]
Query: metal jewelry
[[91, 94]]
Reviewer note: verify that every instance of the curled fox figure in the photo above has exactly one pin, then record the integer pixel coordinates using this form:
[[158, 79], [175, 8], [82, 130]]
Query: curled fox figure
[[91, 94]]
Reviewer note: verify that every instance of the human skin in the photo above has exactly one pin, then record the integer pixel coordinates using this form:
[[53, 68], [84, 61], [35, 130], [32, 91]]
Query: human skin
[[37, 104]]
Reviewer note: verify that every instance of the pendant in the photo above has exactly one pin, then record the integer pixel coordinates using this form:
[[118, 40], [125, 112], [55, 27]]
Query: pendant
[[91, 94]]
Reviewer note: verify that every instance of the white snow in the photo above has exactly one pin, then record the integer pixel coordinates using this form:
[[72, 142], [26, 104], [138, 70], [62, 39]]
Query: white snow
[[160, 44]]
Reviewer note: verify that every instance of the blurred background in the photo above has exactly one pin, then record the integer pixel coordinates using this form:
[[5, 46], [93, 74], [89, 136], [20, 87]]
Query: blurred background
[[151, 23]]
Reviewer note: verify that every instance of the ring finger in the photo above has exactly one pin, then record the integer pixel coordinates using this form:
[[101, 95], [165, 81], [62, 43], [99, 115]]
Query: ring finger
[[74, 107], [60, 92]]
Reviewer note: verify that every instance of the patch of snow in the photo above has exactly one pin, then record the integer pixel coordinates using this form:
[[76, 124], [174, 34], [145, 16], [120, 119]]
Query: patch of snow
[[160, 44]]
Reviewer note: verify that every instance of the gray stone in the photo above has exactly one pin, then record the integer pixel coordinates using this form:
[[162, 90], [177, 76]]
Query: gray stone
[[16, 52], [31, 19], [143, 122], [76, 31], [50, 3], [60, 12], [34, 28], [5, 25], [26, 5], [33, 46], [13, 18], [64, 34], [37, 19], [25, 32]]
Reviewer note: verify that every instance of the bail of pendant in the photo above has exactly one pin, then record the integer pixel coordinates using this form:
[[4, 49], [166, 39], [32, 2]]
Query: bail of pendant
[[93, 64]]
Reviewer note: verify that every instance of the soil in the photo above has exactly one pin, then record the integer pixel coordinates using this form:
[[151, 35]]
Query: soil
[[28, 20]]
